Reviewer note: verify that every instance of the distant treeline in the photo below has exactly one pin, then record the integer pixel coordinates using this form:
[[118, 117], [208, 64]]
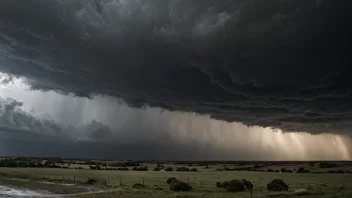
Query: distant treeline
[[28, 163], [54, 162]]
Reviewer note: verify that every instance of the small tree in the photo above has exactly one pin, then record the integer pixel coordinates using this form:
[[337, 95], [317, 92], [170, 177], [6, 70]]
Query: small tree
[[169, 169], [178, 185], [236, 185], [277, 185], [170, 180]]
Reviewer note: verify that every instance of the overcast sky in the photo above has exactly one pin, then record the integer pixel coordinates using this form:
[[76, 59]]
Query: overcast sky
[[156, 79]]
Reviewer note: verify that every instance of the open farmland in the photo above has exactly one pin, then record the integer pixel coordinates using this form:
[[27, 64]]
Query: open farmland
[[112, 181]]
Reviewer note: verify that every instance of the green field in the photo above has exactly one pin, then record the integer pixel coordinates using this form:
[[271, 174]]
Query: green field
[[119, 183]]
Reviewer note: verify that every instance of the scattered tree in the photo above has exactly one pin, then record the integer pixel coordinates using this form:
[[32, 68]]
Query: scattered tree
[[277, 185], [170, 180], [169, 169], [248, 184], [236, 185], [178, 185]]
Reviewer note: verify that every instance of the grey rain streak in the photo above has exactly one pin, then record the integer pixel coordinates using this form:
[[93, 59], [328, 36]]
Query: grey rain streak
[[51, 124], [271, 63], [23, 133]]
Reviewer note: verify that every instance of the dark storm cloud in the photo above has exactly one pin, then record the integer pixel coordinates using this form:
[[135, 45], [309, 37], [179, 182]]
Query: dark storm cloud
[[278, 63], [25, 134]]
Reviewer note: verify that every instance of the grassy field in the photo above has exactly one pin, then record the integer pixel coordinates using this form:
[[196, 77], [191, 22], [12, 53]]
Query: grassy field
[[119, 183]]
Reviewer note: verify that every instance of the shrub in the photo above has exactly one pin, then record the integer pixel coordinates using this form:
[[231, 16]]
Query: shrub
[[156, 169], [178, 185], [134, 168], [170, 180], [283, 170], [236, 185], [270, 170], [247, 184], [169, 169], [218, 184], [143, 168], [183, 169], [92, 180], [225, 184], [194, 170], [138, 185], [219, 169], [302, 170], [277, 185]]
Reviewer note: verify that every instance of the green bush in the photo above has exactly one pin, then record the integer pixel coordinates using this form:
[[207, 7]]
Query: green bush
[[168, 169], [178, 185], [218, 184], [170, 180], [143, 168], [247, 184], [156, 169], [236, 185], [277, 185]]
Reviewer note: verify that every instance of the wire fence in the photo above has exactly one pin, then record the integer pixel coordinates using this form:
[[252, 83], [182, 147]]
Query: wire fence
[[107, 181]]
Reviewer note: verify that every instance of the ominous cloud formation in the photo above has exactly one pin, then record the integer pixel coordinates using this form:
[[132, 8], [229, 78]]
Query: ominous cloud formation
[[13, 118], [276, 63], [149, 134]]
